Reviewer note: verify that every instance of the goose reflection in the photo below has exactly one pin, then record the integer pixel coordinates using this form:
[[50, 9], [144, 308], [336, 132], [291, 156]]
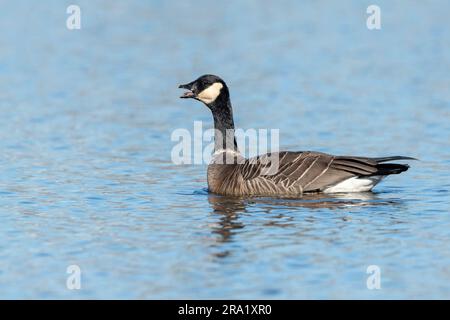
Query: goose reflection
[[229, 209]]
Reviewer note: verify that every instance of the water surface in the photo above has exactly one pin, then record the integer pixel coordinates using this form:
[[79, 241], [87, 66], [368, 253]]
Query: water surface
[[86, 176]]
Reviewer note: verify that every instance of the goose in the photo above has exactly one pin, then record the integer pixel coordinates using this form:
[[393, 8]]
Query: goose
[[297, 172]]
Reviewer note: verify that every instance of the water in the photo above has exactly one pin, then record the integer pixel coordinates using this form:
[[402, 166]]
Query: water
[[86, 176]]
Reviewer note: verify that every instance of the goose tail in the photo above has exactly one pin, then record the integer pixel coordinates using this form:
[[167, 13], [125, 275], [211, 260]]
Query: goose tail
[[394, 158], [384, 169]]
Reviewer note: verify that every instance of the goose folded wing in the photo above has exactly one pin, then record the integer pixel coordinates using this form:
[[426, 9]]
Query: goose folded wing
[[310, 171]]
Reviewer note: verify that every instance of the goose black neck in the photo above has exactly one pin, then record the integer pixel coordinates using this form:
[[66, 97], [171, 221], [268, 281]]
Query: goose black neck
[[224, 138]]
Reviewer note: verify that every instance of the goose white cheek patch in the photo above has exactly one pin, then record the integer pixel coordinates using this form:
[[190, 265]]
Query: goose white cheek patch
[[211, 93]]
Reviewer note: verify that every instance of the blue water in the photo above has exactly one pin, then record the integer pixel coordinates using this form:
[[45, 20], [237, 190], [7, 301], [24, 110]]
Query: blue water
[[86, 176]]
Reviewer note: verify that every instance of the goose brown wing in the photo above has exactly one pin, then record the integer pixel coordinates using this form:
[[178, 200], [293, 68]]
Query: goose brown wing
[[307, 171], [315, 171]]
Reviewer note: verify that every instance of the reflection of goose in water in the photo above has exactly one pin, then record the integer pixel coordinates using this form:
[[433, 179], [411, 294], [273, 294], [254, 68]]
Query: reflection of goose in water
[[230, 209], [224, 204]]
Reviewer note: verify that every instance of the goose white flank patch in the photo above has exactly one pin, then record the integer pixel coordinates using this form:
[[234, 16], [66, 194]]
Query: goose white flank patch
[[355, 184], [297, 172]]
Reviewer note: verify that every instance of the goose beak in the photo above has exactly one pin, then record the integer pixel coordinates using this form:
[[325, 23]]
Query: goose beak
[[189, 93]]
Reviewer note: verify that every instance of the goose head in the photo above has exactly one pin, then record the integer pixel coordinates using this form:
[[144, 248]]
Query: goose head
[[209, 89]]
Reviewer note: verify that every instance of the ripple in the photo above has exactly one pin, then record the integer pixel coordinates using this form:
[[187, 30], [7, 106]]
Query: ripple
[[86, 172]]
